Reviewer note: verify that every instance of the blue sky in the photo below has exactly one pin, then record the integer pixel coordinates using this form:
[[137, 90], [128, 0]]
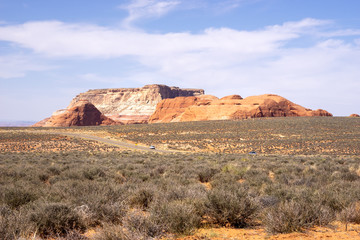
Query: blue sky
[[305, 50]]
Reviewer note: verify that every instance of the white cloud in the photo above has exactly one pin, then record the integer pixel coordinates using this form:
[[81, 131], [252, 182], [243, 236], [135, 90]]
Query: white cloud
[[222, 61], [228, 5], [139, 9], [58, 39]]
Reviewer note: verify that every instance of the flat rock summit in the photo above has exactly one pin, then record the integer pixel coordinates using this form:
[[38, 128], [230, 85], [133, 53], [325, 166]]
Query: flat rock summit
[[160, 103]]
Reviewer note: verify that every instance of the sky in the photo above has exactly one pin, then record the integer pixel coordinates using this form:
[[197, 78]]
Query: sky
[[307, 51]]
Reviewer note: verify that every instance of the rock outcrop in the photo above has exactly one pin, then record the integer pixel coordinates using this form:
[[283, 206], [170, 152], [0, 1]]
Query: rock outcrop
[[206, 107], [132, 105], [82, 113], [115, 106], [354, 115], [169, 110]]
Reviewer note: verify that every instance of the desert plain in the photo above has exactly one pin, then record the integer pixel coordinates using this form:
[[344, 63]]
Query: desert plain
[[265, 178]]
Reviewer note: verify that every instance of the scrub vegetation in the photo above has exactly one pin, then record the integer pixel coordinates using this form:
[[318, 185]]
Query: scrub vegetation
[[292, 135], [126, 194]]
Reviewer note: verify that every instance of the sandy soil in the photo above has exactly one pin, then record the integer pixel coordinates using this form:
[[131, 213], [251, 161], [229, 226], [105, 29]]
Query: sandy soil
[[335, 231]]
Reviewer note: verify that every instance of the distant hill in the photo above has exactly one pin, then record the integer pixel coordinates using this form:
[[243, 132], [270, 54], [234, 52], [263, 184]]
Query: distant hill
[[16, 123]]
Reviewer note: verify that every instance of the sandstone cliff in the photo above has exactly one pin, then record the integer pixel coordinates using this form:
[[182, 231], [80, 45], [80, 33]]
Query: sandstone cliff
[[83, 113], [354, 115], [202, 108], [132, 105]]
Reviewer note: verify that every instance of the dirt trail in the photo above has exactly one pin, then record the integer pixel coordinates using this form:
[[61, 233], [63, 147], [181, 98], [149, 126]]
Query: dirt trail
[[106, 141]]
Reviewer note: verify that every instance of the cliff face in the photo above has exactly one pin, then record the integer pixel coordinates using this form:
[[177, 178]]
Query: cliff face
[[83, 113], [202, 108], [114, 106], [132, 105]]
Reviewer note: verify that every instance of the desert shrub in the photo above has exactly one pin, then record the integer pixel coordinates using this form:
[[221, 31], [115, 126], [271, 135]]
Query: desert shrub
[[175, 192], [176, 216], [142, 197], [12, 224], [349, 176], [351, 214], [230, 206], [222, 179], [340, 194], [280, 191], [256, 178], [234, 170], [55, 219], [268, 201], [93, 173], [293, 216], [206, 174], [141, 223], [103, 201], [107, 212], [113, 232], [73, 235], [54, 170], [17, 196], [44, 177]]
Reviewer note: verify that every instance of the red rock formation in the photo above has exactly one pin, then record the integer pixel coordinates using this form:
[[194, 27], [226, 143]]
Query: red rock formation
[[132, 105], [168, 110], [230, 107], [354, 115], [41, 123], [83, 113], [125, 105]]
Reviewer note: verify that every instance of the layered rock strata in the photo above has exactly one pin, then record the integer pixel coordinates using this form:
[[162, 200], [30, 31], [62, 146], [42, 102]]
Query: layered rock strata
[[121, 105], [207, 107], [132, 105]]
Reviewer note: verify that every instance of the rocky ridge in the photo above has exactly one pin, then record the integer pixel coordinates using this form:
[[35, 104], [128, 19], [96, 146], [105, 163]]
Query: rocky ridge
[[207, 107]]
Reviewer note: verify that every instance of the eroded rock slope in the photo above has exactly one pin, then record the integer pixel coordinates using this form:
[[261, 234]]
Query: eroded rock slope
[[207, 107]]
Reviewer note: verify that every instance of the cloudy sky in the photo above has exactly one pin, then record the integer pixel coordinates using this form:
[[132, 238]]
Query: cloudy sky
[[305, 50]]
